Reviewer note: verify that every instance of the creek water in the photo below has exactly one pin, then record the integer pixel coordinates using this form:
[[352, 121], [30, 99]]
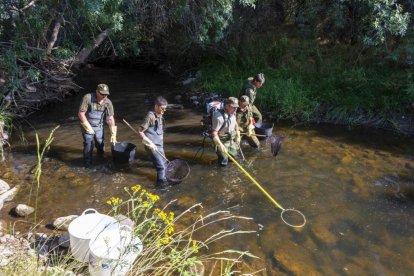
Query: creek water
[[355, 187]]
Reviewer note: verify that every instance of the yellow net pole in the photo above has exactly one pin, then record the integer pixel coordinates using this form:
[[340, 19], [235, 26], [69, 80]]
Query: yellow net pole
[[255, 182]]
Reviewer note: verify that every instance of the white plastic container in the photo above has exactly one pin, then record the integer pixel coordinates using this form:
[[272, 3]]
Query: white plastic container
[[86, 227], [113, 252]]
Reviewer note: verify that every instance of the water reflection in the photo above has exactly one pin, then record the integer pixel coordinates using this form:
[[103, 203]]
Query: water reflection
[[355, 187]]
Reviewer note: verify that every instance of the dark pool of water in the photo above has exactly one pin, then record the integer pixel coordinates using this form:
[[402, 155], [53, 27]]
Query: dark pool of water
[[354, 187]]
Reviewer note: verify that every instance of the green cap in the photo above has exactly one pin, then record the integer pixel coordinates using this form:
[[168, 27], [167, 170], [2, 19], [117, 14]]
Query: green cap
[[103, 89]]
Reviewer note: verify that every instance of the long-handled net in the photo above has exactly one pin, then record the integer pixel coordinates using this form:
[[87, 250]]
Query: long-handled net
[[285, 212]]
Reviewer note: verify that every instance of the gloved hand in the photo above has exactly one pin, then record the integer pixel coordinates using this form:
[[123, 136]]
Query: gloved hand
[[237, 138], [147, 142], [113, 131], [250, 129], [88, 128], [219, 144]]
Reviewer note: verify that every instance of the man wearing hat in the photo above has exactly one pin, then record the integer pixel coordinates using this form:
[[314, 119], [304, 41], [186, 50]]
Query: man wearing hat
[[250, 90], [225, 132], [93, 110], [244, 118]]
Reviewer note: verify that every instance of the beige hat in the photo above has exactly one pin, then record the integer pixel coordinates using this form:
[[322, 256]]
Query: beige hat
[[244, 99], [232, 101], [103, 89]]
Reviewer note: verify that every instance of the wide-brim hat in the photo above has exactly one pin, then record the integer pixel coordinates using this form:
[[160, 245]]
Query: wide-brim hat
[[232, 101], [103, 89]]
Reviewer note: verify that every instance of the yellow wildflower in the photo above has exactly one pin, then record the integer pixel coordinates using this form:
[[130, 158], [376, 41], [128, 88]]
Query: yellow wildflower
[[136, 188]]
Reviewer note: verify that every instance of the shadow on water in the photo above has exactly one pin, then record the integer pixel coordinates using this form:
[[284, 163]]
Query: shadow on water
[[355, 187]]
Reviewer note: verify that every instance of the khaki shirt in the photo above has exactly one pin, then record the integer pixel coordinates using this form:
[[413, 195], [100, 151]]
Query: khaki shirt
[[223, 124], [249, 90], [243, 118], [150, 121], [105, 107]]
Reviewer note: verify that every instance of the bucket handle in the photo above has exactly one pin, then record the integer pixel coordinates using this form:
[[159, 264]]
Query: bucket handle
[[89, 210]]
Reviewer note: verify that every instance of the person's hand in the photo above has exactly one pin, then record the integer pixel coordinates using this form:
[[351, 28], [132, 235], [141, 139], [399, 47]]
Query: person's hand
[[88, 128], [237, 138], [250, 130], [219, 144], [113, 131], [147, 142]]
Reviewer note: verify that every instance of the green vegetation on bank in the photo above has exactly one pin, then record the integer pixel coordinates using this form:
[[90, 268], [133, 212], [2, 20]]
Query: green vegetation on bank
[[307, 81]]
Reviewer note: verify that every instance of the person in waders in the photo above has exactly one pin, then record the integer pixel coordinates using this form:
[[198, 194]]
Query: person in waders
[[225, 132], [93, 110], [249, 89], [152, 134], [245, 121]]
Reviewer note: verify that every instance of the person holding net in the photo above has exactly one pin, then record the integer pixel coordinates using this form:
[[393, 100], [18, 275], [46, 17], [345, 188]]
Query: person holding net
[[245, 121], [225, 132], [152, 133], [249, 89]]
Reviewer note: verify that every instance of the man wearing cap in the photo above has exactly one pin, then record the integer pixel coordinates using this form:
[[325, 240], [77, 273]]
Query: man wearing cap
[[152, 133], [225, 132], [244, 118], [93, 110], [250, 90]]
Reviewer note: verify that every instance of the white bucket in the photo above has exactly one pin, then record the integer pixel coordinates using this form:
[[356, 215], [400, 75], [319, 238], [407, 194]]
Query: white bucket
[[87, 227], [113, 252]]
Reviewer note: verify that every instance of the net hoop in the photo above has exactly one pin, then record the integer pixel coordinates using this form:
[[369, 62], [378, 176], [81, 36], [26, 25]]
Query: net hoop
[[294, 211], [177, 171]]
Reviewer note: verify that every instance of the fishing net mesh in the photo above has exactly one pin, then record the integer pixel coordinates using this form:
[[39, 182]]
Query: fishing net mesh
[[177, 171]]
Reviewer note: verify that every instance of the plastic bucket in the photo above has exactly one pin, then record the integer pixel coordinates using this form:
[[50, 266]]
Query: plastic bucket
[[265, 129], [113, 252], [86, 227], [123, 152]]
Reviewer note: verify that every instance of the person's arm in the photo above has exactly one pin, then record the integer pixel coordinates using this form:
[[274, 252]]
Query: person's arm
[[216, 125], [82, 116], [110, 121], [144, 126]]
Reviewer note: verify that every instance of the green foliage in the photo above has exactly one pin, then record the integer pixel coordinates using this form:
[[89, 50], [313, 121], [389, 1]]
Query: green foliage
[[309, 83]]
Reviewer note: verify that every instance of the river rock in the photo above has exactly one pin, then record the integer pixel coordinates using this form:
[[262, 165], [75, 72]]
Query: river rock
[[23, 210], [62, 223], [1, 203], [4, 187], [10, 194]]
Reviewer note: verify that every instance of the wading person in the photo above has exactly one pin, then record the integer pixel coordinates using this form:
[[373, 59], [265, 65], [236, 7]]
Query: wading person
[[225, 132], [250, 90], [244, 118], [94, 109], [152, 134]]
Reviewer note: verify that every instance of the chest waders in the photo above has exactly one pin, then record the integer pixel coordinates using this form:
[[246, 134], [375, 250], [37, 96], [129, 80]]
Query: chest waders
[[95, 118], [227, 139], [156, 134]]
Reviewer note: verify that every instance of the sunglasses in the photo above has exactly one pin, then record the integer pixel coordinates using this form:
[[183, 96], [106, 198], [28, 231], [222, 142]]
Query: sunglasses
[[103, 95]]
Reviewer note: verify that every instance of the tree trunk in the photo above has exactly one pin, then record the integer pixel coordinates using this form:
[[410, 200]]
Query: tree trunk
[[54, 35], [85, 52]]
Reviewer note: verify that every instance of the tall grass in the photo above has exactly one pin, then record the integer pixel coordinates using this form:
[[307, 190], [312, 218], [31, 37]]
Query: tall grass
[[171, 246], [309, 82]]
